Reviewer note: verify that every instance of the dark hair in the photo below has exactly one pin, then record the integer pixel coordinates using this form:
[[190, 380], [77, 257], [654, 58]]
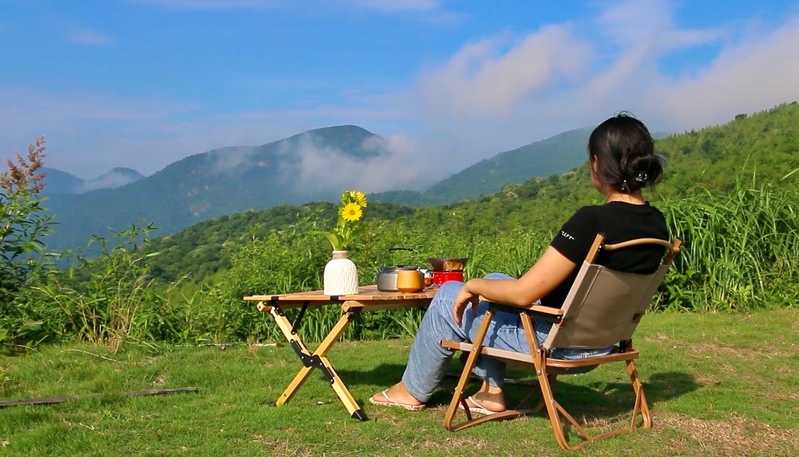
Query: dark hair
[[625, 153]]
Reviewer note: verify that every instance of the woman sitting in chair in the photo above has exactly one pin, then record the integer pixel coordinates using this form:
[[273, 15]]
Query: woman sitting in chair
[[622, 162]]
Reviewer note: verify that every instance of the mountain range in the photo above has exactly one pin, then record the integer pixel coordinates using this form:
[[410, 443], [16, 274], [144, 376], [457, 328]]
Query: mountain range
[[61, 182], [233, 179], [747, 155]]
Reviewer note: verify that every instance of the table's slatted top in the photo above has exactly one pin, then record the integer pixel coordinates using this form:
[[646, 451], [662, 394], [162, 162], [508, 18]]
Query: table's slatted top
[[365, 294]]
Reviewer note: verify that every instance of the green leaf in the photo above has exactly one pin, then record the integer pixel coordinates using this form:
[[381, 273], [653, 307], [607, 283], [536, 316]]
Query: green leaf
[[334, 241]]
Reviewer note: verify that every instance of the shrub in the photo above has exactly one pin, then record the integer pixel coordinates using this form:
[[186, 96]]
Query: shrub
[[115, 299], [23, 225]]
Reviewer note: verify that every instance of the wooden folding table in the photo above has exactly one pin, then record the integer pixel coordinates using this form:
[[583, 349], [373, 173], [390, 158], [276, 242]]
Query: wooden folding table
[[368, 298]]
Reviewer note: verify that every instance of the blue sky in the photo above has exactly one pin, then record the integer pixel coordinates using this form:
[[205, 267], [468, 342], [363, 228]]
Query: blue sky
[[144, 83]]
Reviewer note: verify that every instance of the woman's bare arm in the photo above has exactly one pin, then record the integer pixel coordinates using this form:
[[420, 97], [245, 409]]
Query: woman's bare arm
[[549, 271]]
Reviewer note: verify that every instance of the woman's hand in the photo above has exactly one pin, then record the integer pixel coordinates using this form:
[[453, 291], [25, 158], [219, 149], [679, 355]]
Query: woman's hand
[[549, 271], [464, 299]]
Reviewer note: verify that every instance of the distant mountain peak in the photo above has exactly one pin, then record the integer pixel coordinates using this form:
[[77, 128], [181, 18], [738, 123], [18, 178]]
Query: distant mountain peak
[[117, 177], [61, 182], [351, 140], [125, 171]]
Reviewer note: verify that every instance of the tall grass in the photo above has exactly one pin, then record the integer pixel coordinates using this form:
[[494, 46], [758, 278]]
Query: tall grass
[[740, 252], [741, 249], [114, 301]]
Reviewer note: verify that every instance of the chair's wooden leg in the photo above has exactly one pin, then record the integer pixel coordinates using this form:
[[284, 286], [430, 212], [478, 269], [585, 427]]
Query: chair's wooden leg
[[553, 409], [545, 381], [539, 361], [541, 403], [641, 405], [457, 396]]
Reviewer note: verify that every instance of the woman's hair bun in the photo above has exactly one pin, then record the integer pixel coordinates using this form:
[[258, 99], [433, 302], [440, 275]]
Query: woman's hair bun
[[625, 153], [644, 170]]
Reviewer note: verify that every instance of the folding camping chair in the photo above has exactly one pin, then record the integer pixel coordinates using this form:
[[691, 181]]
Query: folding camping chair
[[602, 309]]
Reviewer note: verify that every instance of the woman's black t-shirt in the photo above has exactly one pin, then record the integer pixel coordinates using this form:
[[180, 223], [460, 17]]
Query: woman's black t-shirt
[[617, 221]]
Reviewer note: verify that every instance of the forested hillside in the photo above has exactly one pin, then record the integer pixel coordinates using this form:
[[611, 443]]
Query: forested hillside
[[753, 148], [544, 158], [203, 249], [764, 145]]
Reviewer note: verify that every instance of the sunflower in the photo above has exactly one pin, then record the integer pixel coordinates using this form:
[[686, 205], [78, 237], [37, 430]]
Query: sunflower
[[360, 198], [351, 212], [346, 229], [354, 196]]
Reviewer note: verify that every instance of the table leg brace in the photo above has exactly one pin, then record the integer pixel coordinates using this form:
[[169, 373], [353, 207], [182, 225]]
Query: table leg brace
[[318, 359]]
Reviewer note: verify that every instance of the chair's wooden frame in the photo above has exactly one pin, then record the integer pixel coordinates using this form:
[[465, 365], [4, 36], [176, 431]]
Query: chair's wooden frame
[[547, 368]]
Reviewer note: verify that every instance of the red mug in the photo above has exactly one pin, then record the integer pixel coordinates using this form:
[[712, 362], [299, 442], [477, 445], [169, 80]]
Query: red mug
[[440, 277]]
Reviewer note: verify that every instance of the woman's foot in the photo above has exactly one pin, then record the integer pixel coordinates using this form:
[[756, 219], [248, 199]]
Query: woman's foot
[[477, 408], [490, 398], [396, 395]]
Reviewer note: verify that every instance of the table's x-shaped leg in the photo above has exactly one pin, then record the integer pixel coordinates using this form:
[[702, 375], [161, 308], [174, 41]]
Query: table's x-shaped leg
[[318, 358]]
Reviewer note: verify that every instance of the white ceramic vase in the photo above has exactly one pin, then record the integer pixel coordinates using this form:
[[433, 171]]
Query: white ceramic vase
[[341, 275]]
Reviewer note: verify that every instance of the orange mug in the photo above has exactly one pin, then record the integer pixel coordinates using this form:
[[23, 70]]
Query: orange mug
[[409, 280]]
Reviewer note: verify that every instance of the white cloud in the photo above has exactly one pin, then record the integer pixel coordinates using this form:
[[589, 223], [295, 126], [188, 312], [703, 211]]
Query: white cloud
[[107, 181], [323, 169], [90, 133], [484, 80], [491, 96], [228, 161], [749, 76]]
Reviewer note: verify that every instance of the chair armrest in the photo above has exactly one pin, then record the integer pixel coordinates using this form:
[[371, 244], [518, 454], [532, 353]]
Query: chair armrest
[[536, 311]]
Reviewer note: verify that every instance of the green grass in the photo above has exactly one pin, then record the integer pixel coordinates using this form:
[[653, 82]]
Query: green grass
[[718, 384]]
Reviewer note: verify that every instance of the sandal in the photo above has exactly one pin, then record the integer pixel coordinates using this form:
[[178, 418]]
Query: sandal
[[390, 402], [475, 407]]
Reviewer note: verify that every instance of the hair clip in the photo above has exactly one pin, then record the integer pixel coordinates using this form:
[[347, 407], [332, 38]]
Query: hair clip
[[642, 177], [624, 186]]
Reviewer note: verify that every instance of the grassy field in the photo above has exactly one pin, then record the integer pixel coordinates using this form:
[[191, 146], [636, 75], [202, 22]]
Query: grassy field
[[718, 384]]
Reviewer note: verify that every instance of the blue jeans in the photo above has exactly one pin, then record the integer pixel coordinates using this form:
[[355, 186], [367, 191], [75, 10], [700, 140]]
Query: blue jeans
[[428, 361]]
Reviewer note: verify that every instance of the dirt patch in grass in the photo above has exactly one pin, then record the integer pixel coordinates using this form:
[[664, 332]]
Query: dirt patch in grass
[[715, 350], [735, 436], [459, 442], [282, 447], [708, 350], [162, 379]]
